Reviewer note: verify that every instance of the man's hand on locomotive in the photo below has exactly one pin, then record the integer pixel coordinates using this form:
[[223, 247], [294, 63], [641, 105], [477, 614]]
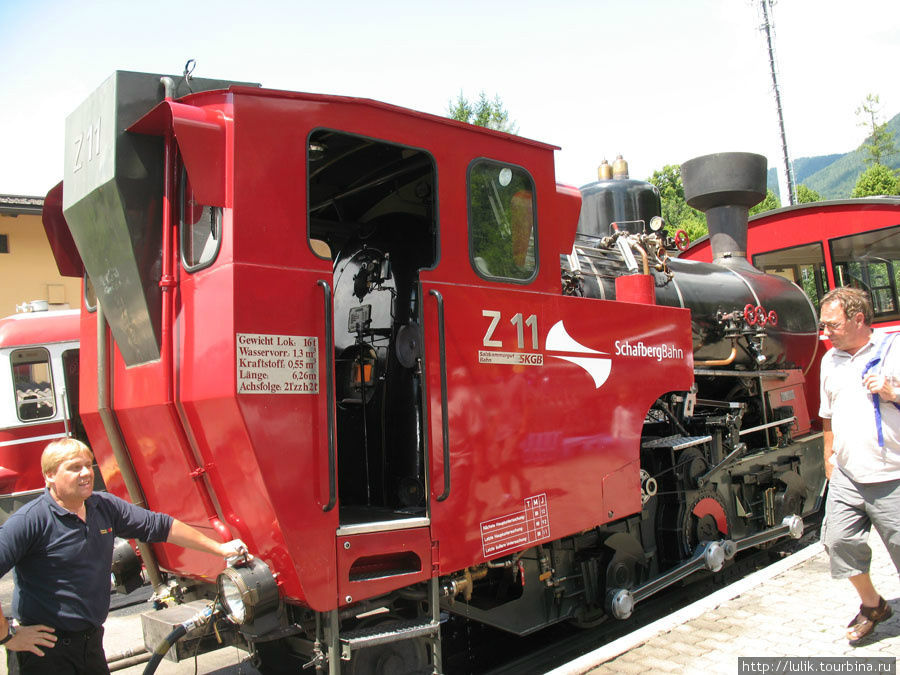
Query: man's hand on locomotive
[[881, 385], [235, 552], [26, 638]]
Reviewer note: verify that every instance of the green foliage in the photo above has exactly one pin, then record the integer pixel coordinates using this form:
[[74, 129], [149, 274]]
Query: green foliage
[[675, 211], [770, 203], [833, 176], [877, 180], [806, 195], [879, 144], [483, 113]]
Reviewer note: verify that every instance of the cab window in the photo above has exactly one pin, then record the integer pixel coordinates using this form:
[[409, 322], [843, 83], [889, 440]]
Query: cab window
[[502, 228], [200, 229], [33, 384]]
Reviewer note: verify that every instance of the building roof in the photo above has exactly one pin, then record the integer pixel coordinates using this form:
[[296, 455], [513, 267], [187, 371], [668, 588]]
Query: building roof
[[21, 205]]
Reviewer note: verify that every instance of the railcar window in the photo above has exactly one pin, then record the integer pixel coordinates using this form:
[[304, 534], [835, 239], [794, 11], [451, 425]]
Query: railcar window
[[201, 229], [502, 232], [33, 384], [871, 261], [804, 265]]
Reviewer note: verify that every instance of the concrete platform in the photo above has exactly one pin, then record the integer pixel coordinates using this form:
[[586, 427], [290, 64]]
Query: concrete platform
[[790, 609]]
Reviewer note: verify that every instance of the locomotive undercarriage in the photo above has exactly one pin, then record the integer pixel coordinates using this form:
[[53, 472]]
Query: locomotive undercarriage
[[709, 491]]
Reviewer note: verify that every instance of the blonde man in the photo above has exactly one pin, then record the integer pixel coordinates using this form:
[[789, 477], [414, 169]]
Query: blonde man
[[61, 547]]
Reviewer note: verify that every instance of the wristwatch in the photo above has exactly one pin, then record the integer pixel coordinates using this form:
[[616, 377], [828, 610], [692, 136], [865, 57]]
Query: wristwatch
[[11, 634]]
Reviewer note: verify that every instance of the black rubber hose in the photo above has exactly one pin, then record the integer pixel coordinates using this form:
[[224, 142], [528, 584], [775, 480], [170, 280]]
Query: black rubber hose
[[163, 647]]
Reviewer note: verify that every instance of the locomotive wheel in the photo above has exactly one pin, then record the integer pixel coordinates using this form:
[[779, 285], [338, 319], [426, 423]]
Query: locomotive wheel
[[624, 570], [705, 520], [790, 502]]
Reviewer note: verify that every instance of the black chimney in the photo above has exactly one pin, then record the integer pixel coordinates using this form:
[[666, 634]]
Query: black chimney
[[724, 186]]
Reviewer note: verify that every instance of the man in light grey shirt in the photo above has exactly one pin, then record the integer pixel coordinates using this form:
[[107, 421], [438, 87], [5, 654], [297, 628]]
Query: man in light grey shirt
[[860, 387]]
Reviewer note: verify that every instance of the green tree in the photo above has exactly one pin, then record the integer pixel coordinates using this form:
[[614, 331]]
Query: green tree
[[879, 143], [876, 180], [675, 211], [807, 195], [483, 113], [768, 204]]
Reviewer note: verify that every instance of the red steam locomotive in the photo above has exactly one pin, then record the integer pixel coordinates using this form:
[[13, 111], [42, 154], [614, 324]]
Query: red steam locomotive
[[384, 349]]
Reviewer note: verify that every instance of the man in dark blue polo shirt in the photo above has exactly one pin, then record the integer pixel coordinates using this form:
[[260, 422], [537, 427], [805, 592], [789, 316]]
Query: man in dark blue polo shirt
[[61, 547]]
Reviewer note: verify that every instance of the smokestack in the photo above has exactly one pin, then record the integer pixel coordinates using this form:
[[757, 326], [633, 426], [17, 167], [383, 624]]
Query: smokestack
[[724, 186]]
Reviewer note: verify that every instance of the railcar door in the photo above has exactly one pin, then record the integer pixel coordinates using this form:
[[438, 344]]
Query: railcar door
[[371, 210]]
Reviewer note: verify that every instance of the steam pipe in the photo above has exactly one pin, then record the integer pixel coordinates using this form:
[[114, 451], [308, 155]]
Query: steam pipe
[[645, 265], [167, 280], [727, 361], [120, 452]]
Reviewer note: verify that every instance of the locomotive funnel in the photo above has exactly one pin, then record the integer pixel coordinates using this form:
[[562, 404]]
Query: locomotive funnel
[[724, 186]]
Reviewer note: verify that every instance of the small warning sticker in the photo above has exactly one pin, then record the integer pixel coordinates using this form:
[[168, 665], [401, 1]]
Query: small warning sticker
[[277, 364], [528, 526]]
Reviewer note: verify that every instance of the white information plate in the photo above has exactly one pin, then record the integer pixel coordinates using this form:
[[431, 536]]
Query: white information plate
[[277, 364]]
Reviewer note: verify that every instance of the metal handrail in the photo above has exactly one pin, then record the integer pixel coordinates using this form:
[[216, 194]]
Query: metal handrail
[[329, 392], [445, 422]]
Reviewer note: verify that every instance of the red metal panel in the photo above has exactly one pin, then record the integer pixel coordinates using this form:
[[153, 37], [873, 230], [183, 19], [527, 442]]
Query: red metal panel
[[200, 132], [791, 392], [267, 453], [528, 426], [39, 328], [65, 253], [378, 562], [271, 136], [20, 466]]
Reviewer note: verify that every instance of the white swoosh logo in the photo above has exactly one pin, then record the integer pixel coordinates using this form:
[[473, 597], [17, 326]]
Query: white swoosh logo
[[597, 367]]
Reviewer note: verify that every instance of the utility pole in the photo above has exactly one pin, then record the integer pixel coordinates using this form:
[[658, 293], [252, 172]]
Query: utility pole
[[768, 27]]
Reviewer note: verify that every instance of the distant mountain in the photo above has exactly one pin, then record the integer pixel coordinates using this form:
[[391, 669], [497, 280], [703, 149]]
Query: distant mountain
[[834, 176]]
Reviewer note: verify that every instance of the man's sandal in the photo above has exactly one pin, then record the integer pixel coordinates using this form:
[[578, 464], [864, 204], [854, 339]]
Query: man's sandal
[[868, 617]]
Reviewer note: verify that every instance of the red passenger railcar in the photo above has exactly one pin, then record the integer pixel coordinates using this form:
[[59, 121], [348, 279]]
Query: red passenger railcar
[[370, 343], [38, 397]]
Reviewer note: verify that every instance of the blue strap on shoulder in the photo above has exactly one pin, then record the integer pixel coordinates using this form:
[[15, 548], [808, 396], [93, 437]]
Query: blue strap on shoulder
[[877, 361]]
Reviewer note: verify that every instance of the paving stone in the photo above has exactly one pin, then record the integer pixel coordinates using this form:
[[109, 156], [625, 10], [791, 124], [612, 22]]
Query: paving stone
[[653, 663], [655, 651]]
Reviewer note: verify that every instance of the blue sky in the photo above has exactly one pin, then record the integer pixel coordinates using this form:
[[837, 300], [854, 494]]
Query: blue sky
[[657, 80]]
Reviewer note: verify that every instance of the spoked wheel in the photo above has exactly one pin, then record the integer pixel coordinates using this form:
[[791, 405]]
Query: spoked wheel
[[705, 520]]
